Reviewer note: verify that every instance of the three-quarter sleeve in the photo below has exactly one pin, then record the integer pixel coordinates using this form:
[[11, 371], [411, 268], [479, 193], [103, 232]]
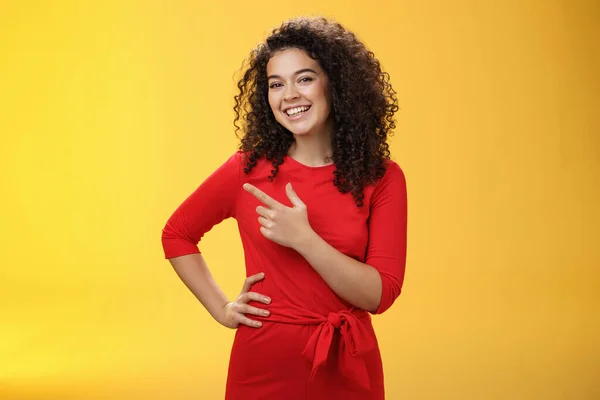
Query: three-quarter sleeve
[[386, 250], [212, 202]]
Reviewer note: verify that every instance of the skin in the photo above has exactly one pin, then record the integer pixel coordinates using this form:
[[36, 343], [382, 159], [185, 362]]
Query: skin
[[295, 79], [195, 274]]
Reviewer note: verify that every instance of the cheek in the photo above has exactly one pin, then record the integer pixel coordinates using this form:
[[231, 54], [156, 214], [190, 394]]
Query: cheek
[[325, 100], [271, 102], [274, 104], [323, 96]]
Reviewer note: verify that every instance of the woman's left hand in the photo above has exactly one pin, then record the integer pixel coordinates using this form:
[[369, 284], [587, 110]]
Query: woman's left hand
[[287, 226]]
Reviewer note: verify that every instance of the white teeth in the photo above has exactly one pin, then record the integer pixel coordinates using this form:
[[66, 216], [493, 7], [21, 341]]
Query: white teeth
[[295, 111]]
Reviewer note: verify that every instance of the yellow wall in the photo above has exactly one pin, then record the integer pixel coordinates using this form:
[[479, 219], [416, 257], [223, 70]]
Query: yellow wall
[[113, 112]]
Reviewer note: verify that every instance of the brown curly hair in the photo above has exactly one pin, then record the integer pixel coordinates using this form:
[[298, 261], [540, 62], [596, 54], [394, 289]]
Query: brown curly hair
[[363, 103]]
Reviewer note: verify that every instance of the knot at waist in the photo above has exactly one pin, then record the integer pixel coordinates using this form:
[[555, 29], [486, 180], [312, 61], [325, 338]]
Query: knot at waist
[[355, 341], [348, 326], [334, 319]]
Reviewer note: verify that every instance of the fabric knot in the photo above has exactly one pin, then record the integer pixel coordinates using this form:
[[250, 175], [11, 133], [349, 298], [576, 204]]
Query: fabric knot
[[355, 340], [334, 319]]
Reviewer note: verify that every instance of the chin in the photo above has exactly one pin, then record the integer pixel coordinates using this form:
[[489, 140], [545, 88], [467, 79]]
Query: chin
[[301, 131]]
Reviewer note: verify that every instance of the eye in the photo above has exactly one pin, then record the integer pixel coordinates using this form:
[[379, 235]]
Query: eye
[[305, 79], [274, 85]]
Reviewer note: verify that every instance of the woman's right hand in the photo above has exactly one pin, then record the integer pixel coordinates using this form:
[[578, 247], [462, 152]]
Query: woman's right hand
[[234, 313]]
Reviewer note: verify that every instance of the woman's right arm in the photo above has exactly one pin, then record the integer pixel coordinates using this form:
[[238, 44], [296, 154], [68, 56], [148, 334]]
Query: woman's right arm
[[194, 273], [212, 202]]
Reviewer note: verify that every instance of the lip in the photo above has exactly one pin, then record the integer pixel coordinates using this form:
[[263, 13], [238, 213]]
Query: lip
[[297, 116], [296, 106]]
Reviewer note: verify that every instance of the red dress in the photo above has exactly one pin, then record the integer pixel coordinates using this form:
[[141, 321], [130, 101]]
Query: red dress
[[314, 345]]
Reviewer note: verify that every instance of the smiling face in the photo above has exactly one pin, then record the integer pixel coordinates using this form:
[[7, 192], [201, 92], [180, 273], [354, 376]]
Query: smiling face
[[298, 93]]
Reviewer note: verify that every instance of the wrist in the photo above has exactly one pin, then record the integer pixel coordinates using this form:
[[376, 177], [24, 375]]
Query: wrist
[[307, 242], [220, 314]]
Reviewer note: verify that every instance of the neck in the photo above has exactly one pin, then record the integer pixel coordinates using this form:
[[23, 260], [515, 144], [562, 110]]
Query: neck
[[312, 149]]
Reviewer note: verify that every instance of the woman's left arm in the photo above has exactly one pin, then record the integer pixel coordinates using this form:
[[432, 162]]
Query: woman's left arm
[[356, 282], [375, 284]]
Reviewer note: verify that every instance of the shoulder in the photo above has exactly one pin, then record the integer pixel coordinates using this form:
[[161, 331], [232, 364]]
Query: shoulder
[[393, 182], [242, 157], [232, 162], [393, 172], [259, 163], [239, 158], [232, 167], [241, 161]]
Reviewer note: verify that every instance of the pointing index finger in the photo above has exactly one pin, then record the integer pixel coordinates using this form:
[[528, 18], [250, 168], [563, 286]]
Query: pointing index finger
[[262, 196]]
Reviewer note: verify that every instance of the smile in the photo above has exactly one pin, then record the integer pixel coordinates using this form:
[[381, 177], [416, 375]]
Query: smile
[[296, 112]]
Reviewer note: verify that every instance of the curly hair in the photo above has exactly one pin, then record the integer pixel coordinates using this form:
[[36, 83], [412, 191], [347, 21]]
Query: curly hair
[[363, 103]]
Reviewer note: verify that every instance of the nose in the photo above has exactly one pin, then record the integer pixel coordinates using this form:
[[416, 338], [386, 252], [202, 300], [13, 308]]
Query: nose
[[290, 93]]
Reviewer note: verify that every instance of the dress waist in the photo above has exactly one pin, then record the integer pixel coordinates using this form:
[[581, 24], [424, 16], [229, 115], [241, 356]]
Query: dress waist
[[355, 339]]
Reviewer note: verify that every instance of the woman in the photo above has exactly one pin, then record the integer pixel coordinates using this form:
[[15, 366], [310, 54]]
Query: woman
[[321, 211]]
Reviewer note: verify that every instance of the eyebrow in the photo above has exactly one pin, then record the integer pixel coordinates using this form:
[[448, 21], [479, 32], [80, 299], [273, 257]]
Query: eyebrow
[[296, 73]]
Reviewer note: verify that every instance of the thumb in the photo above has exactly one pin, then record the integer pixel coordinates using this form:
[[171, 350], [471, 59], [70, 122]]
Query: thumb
[[291, 194]]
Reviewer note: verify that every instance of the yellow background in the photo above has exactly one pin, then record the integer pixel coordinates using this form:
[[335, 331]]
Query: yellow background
[[113, 112]]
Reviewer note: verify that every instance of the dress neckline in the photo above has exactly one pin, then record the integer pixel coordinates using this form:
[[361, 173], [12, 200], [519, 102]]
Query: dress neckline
[[319, 167]]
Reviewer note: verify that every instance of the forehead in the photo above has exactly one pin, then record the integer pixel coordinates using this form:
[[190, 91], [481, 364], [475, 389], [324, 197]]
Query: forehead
[[287, 62]]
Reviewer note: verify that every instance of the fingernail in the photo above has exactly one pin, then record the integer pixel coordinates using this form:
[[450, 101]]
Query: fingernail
[[268, 300], [259, 323], [266, 312]]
